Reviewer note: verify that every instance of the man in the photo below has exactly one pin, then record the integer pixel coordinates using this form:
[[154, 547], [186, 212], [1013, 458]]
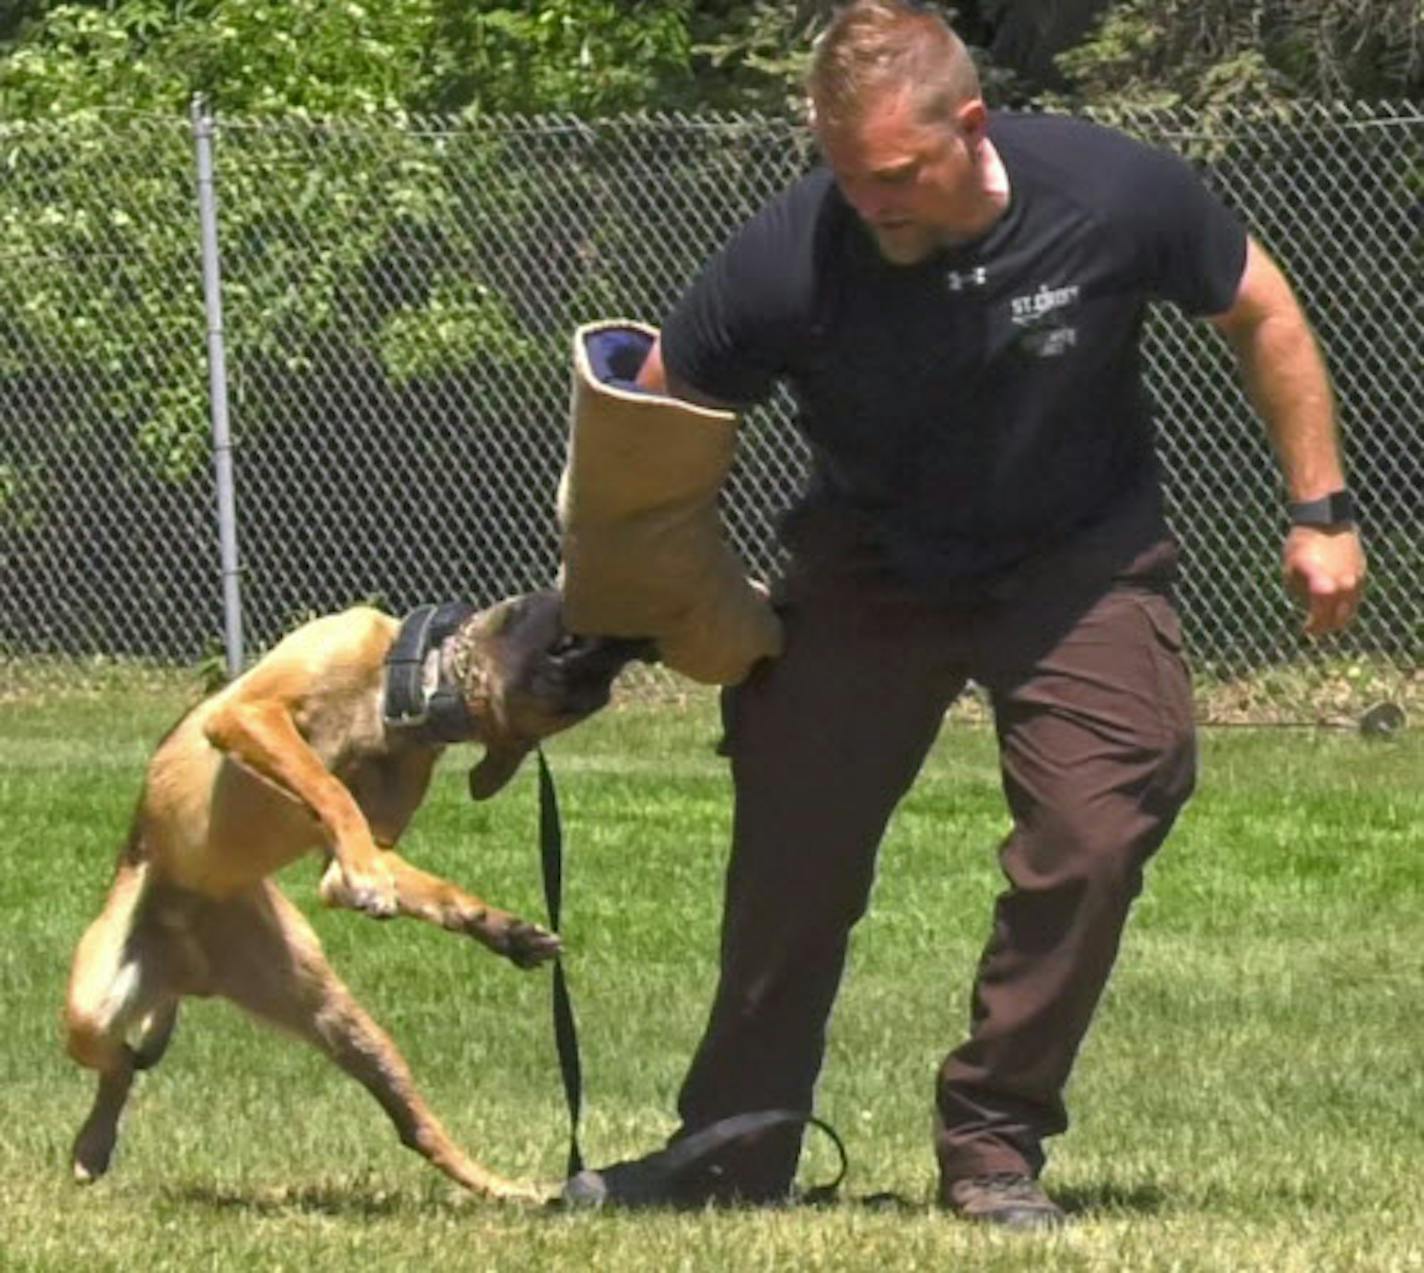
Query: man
[[956, 300]]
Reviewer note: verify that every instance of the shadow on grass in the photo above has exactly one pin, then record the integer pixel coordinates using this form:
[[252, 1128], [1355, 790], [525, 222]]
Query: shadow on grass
[[357, 1201], [1090, 1199], [362, 1202], [1083, 1202]]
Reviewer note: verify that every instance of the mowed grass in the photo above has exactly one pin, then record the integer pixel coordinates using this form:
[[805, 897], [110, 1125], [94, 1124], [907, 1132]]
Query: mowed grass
[[1251, 1097]]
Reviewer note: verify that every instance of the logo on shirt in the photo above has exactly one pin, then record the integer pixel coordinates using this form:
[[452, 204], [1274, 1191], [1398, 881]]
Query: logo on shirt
[[958, 280], [1040, 317]]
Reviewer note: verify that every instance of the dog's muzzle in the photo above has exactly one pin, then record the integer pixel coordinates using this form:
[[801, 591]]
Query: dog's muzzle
[[581, 669]]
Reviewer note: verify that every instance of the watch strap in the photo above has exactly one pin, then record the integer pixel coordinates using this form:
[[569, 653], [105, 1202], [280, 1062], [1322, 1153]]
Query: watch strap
[[1335, 509]]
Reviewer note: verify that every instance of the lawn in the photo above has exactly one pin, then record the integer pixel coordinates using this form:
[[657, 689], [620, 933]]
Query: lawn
[[1251, 1097]]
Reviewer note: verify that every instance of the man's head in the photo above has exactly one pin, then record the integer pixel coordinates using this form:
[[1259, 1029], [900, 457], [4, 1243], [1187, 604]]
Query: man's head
[[525, 677], [897, 111]]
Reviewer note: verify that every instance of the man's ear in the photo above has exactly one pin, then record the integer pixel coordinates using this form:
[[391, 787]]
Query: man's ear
[[973, 120], [500, 763]]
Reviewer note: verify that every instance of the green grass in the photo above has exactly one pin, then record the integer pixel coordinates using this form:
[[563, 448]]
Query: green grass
[[1251, 1097]]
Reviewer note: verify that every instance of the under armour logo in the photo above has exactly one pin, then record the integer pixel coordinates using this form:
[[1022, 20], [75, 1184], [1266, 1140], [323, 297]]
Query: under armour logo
[[958, 280]]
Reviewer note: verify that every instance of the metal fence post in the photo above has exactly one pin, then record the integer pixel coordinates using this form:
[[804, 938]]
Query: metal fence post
[[217, 386]]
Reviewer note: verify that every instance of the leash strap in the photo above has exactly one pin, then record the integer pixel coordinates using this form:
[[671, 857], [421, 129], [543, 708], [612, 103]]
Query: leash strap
[[551, 853], [682, 1154]]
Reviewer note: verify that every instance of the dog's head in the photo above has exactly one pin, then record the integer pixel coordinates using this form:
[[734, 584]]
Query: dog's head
[[525, 676]]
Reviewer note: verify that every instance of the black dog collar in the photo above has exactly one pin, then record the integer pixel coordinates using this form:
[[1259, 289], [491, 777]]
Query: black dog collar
[[443, 717]]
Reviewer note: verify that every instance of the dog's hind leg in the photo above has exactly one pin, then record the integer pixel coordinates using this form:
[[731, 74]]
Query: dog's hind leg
[[94, 1145], [113, 983], [266, 958], [421, 895], [154, 1033]]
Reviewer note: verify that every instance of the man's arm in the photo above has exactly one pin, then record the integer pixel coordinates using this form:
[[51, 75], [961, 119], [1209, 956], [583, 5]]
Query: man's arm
[[1285, 378], [654, 376]]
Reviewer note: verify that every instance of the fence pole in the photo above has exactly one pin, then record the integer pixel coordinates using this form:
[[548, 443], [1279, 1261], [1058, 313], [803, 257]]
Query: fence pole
[[217, 387]]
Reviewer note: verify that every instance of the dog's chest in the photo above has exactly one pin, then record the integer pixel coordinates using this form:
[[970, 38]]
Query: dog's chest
[[389, 786], [388, 776], [343, 726]]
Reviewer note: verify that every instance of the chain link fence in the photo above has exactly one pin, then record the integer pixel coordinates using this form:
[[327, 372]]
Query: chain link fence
[[399, 299]]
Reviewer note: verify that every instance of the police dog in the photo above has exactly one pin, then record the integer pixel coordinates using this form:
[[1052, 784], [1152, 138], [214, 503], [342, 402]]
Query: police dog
[[298, 755]]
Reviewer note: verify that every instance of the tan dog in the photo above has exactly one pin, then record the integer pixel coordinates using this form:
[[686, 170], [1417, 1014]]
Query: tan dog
[[294, 756]]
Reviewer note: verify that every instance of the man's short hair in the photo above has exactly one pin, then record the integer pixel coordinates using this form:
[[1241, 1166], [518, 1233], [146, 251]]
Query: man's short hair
[[877, 47]]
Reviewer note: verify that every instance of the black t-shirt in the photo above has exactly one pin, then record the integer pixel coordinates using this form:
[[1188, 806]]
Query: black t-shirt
[[979, 406]]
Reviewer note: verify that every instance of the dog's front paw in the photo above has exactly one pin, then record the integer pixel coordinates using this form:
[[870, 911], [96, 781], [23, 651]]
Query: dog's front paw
[[524, 944], [371, 891], [529, 945]]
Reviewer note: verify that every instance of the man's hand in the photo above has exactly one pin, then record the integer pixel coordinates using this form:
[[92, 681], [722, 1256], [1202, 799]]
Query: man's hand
[[1325, 568], [1285, 377]]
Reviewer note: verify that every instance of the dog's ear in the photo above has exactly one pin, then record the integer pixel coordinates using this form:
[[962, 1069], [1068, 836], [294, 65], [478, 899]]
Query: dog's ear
[[500, 763]]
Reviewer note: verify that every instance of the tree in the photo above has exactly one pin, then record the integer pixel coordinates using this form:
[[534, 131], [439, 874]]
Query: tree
[[1102, 52], [273, 56], [14, 16], [104, 307], [1214, 52]]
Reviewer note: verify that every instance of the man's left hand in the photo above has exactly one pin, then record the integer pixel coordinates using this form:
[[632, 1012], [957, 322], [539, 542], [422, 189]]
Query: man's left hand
[[1325, 568]]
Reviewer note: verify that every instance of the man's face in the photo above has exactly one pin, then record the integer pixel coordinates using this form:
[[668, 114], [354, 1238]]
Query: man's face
[[914, 183]]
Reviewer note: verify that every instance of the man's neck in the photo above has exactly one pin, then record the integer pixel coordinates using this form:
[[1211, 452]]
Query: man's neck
[[991, 199]]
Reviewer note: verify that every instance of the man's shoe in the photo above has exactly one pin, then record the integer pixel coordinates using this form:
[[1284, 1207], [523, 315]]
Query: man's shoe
[[634, 1185], [1009, 1199], [720, 1165], [650, 1183]]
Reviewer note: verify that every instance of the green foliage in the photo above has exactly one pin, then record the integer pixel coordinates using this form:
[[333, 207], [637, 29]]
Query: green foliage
[[265, 55], [1341, 49], [1110, 53], [77, 257], [1149, 53], [324, 58], [210, 672], [1206, 53], [754, 56], [459, 322], [20, 486], [93, 244], [580, 56]]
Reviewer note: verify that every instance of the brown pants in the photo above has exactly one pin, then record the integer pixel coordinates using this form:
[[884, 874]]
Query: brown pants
[[1092, 706]]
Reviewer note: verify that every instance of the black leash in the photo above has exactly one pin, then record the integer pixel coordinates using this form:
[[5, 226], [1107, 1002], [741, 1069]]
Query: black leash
[[692, 1149], [551, 853]]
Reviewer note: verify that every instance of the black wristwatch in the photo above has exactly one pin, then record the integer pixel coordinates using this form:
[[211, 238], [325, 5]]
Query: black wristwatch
[[1335, 509]]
